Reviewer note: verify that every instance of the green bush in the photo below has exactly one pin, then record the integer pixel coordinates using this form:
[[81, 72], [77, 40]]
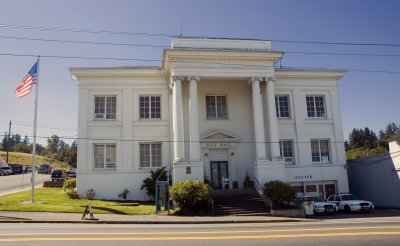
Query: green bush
[[190, 194], [72, 193], [150, 183], [69, 184], [279, 192]]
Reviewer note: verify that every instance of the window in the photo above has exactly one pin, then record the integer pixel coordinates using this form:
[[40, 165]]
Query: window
[[150, 155], [282, 106], [320, 151], [315, 106], [286, 148], [216, 107], [150, 107], [105, 107], [105, 156], [311, 188]]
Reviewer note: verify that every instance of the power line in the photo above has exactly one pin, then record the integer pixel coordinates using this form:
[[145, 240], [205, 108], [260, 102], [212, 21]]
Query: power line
[[165, 46], [92, 31], [84, 42], [194, 62]]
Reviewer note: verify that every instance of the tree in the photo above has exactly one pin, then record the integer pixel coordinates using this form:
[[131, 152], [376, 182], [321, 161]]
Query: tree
[[150, 183], [360, 138]]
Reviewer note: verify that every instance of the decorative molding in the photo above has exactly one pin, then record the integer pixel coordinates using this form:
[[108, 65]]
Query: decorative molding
[[190, 78], [212, 59], [119, 76]]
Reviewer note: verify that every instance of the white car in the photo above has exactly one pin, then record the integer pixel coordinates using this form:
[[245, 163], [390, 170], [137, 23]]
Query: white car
[[350, 203], [319, 205]]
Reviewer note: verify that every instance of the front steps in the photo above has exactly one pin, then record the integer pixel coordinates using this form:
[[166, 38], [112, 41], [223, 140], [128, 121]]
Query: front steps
[[246, 202]]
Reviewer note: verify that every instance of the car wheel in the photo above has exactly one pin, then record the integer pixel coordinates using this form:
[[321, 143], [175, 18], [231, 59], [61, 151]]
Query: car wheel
[[347, 209]]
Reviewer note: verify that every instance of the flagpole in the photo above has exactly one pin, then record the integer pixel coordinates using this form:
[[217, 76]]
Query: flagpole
[[34, 134]]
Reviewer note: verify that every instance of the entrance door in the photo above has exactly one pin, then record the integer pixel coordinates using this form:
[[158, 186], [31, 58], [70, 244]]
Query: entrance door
[[219, 171]]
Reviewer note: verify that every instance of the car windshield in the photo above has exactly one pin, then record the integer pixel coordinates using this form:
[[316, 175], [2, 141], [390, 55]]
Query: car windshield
[[57, 171], [348, 197], [318, 199]]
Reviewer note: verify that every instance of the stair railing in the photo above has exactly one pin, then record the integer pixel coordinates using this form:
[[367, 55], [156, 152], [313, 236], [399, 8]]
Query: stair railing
[[211, 204], [260, 190]]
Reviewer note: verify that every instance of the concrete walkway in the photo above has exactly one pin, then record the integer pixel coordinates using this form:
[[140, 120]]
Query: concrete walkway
[[38, 217]]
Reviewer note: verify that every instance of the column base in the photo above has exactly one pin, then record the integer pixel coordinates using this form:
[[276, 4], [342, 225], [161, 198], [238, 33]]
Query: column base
[[188, 170], [266, 170]]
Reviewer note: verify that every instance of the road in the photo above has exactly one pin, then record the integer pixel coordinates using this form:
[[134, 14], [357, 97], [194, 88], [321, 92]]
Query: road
[[18, 182], [359, 231]]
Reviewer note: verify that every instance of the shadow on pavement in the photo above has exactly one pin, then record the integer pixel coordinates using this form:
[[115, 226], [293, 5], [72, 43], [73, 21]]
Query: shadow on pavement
[[377, 213]]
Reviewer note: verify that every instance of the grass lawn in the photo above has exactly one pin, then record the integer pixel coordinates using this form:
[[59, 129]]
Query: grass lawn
[[54, 200], [26, 159]]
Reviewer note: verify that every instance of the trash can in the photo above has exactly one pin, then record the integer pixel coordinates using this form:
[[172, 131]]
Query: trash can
[[308, 208]]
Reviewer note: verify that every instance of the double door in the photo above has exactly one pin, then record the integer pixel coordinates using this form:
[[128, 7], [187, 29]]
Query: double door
[[219, 174]]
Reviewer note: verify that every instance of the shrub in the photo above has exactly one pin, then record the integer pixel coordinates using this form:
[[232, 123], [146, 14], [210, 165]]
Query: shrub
[[279, 192], [69, 184], [90, 194], [150, 183], [72, 193], [190, 194]]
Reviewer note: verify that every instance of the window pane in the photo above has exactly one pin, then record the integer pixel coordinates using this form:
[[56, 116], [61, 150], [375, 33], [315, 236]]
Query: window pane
[[286, 148], [282, 106], [111, 107], [315, 151], [319, 107], [98, 156], [211, 107], [99, 105], [310, 107], [144, 108]]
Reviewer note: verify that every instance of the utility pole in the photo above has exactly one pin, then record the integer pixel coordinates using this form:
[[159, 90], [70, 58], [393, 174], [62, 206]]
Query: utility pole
[[8, 141]]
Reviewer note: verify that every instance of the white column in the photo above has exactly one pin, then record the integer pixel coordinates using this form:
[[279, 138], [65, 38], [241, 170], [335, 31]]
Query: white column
[[177, 127], [258, 118], [273, 121], [194, 120]]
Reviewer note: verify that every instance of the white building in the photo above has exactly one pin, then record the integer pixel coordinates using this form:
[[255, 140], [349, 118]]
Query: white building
[[215, 109]]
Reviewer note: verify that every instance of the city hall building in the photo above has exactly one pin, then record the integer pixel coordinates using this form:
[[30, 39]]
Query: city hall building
[[216, 110]]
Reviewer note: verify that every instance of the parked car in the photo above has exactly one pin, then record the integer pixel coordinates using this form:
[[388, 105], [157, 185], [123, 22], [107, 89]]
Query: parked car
[[350, 203], [58, 175], [71, 173], [319, 205], [44, 168], [17, 169], [7, 170]]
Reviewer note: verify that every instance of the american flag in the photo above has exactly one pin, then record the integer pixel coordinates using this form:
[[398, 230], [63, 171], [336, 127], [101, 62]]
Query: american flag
[[25, 87]]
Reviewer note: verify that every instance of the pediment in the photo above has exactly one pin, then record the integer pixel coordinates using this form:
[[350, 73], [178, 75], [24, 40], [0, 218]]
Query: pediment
[[219, 136]]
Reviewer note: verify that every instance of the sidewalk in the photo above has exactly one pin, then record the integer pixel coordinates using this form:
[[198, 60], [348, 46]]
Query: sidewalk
[[38, 217]]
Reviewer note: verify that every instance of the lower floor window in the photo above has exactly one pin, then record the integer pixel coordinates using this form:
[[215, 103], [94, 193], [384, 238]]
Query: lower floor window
[[150, 155], [320, 150], [105, 156], [286, 148]]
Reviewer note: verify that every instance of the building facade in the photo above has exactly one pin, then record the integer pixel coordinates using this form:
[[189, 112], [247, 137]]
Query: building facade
[[216, 110]]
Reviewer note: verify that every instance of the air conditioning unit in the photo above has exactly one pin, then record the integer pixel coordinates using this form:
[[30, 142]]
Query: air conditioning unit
[[100, 116]]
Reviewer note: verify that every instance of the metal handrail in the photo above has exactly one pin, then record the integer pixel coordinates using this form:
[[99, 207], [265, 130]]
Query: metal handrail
[[211, 204], [267, 200]]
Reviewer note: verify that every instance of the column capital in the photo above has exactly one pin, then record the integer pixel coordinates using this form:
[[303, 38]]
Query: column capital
[[270, 79], [191, 78], [254, 79], [175, 78]]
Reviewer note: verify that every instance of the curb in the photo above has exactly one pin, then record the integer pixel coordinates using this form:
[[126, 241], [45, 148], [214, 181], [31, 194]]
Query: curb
[[148, 222]]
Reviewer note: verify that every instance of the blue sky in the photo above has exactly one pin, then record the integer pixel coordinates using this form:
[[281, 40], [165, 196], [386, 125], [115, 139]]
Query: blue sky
[[367, 98]]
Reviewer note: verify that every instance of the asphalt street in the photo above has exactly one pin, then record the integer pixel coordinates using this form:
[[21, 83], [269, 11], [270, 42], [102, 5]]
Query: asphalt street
[[358, 231], [14, 183]]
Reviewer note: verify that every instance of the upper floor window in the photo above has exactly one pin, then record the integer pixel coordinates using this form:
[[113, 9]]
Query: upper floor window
[[150, 155], [150, 107], [105, 107], [320, 150], [282, 106], [105, 156], [316, 106], [286, 148], [216, 107]]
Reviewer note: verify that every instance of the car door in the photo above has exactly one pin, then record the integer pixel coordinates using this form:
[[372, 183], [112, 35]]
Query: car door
[[339, 203]]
